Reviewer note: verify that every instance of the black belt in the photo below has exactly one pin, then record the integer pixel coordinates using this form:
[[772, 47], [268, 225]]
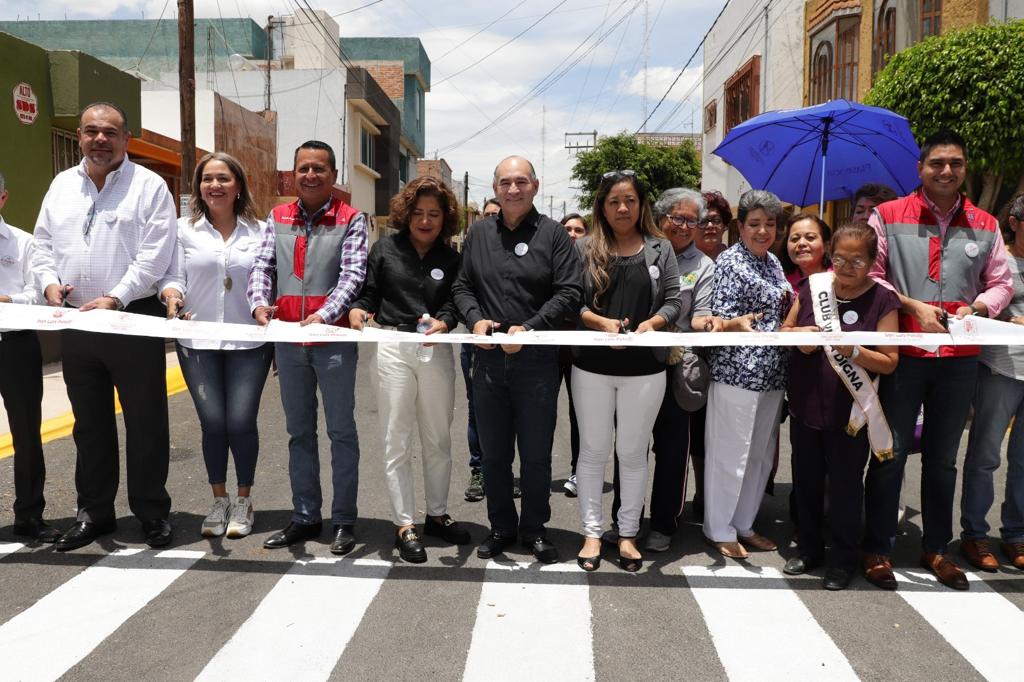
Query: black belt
[[16, 332], [400, 327]]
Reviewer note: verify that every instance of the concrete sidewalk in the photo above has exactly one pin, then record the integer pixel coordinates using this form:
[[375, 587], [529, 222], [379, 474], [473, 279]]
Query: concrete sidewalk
[[57, 418]]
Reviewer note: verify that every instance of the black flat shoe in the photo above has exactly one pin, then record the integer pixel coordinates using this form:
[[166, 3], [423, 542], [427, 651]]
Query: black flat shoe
[[448, 530], [292, 533], [629, 564], [493, 545], [800, 564], [157, 532], [837, 579], [589, 563], [543, 551], [410, 548], [37, 529], [345, 540], [83, 533]]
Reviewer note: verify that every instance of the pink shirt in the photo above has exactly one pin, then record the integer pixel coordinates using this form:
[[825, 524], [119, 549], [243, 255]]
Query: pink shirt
[[996, 295]]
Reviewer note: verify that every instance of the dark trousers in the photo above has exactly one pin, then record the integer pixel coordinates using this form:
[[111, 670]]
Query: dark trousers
[[226, 387], [671, 446], [94, 365], [466, 360], [834, 460], [945, 387], [515, 397], [565, 376], [21, 385]]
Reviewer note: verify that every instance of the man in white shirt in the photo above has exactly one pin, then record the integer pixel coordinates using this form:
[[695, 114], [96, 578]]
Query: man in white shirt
[[104, 238], [21, 382]]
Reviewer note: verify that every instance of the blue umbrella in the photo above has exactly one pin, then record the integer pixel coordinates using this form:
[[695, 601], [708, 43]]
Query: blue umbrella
[[824, 152]]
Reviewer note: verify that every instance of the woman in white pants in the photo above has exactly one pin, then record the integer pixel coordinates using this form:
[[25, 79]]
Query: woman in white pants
[[750, 293], [409, 274], [630, 283]]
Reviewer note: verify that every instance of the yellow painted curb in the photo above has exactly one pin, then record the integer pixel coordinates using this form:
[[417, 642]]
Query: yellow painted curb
[[60, 427]]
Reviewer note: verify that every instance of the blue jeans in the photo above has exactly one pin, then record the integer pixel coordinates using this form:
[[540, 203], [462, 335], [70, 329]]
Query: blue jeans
[[945, 386], [516, 397], [226, 386], [332, 367], [466, 359], [997, 400]]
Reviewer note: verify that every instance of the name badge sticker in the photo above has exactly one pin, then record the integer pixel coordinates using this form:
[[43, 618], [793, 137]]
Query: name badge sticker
[[655, 272], [437, 274], [971, 249], [850, 317], [521, 249]]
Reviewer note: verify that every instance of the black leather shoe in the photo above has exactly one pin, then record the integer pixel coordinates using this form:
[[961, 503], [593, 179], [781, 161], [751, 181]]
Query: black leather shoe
[[493, 545], [544, 551], [800, 564], [83, 533], [293, 532], [37, 529], [410, 548], [157, 532], [448, 530], [344, 539], [837, 578]]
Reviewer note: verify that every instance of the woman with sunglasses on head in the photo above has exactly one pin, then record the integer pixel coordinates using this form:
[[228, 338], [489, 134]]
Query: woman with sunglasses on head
[[408, 281], [823, 382], [631, 284], [206, 281], [750, 294], [805, 249]]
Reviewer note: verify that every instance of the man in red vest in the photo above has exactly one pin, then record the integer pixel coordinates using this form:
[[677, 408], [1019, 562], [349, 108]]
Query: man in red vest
[[944, 257], [314, 251]]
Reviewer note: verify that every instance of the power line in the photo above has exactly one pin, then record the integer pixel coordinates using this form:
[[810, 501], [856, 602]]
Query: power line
[[492, 23], [502, 46], [356, 9], [152, 35]]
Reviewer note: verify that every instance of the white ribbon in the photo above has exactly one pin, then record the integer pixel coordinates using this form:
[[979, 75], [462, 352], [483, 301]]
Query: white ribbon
[[866, 406], [974, 331]]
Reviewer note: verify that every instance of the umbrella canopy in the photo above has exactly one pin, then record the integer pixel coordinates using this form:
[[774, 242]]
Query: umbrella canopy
[[824, 152]]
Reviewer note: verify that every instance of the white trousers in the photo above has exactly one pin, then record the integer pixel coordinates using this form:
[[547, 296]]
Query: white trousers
[[625, 407], [411, 393], [739, 444]]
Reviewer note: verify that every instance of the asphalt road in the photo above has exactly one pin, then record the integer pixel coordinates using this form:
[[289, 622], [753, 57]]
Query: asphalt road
[[116, 610]]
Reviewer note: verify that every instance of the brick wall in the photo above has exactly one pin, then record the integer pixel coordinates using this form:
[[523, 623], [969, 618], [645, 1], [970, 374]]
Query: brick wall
[[390, 76], [964, 13]]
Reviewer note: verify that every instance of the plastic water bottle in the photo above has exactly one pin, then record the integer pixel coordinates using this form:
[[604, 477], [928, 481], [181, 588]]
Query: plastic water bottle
[[424, 353]]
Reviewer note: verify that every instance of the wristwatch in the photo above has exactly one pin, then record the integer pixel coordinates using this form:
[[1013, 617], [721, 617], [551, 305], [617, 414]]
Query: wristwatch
[[118, 305]]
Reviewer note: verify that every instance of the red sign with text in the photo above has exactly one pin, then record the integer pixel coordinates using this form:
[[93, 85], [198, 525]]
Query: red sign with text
[[26, 106]]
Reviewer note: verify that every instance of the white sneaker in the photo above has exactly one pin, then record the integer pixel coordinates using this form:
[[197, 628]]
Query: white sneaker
[[570, 486], [241, 518], [657, 542], [216, 521]]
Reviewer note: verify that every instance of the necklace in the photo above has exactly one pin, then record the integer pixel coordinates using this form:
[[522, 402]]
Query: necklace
[[229, 244]]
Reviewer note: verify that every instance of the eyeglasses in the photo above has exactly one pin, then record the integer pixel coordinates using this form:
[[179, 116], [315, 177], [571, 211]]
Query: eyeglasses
[[679, 221], [841, 262], [712, 221], [90, 218], [622, 173]]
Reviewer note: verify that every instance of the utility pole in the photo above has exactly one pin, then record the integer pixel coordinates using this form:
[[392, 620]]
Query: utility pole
[[563, 208], [465, 201], [270, 54], [187, 96], [647, 55], [551, 204], [543, 148]]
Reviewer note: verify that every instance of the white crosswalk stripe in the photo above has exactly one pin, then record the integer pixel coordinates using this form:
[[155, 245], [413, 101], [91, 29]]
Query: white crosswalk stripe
[[543, 614], [105, 594], [287, 635], [9, 548], [982, 625], [754, 618]]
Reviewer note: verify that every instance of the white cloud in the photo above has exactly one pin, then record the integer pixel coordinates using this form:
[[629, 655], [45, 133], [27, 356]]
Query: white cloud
[[659, 78]]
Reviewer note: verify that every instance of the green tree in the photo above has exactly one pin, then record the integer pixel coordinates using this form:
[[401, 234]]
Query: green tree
[[970, 81], [658, 167]]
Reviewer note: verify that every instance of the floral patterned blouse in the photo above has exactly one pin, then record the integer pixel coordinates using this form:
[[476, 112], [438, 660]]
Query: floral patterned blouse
[[743, 284]]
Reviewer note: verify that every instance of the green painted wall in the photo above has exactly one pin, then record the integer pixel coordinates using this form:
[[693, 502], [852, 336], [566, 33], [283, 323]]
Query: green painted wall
[[25, 152], [147, 46], [79, 79]]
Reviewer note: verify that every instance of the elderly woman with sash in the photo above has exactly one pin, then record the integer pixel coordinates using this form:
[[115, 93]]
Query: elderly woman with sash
[[836, 415]]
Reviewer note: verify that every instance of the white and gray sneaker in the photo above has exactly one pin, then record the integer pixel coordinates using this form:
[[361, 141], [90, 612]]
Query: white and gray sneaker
[[570, 486], [657, 542], [241, 518], [217, 520]]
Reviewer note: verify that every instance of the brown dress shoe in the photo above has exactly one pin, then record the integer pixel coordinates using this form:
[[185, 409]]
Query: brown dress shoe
[[948, 573], [979, 555], [731, 550], [1015, 553], [878, 571], [758, 542]]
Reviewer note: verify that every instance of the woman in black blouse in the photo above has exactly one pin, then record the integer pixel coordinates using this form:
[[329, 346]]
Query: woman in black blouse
[[410, 274], [630, 284]]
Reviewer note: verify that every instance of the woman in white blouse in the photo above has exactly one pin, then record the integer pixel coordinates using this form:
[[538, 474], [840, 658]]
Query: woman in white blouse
[[207, 281]]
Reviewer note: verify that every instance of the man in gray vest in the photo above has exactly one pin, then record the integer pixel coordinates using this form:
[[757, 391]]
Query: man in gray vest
[[944, 257], [314, 250]]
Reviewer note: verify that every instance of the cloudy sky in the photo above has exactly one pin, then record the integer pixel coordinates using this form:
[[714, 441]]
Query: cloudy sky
[[573, 65]]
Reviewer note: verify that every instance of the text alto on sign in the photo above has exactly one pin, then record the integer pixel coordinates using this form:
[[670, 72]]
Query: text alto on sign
[[26, 106]]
